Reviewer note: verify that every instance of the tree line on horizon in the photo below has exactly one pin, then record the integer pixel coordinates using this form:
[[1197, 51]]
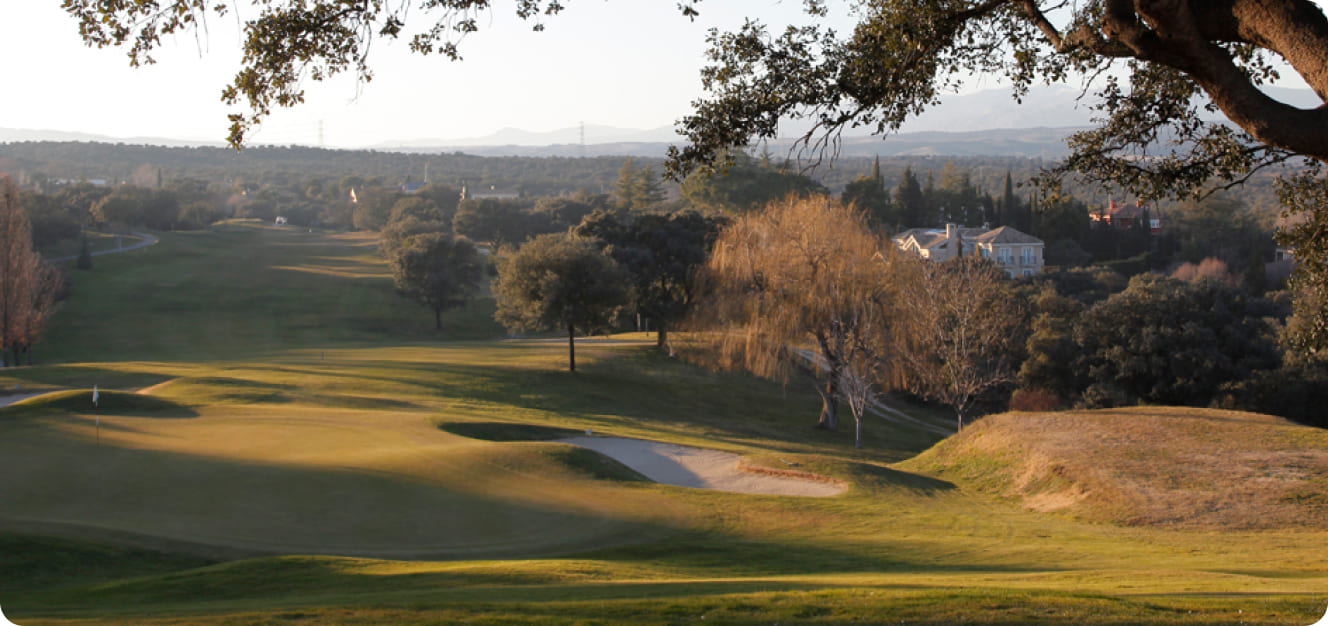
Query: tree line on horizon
[[426, 234]]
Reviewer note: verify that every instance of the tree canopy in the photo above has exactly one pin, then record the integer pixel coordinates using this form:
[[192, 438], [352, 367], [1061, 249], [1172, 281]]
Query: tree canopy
[[796, 287], [558, 281], [437, 270]]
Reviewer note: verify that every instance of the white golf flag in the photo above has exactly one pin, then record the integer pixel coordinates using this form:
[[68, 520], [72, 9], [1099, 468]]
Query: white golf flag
[[94, 398]]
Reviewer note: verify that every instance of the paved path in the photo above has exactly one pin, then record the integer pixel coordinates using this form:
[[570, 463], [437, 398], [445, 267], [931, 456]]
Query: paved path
[[144, 241]]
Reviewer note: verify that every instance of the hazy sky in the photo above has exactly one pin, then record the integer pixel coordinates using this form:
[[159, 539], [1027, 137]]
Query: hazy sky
[[624, 63]]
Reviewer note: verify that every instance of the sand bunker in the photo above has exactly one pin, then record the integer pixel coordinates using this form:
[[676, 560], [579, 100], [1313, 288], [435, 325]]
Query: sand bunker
[[701, 469]]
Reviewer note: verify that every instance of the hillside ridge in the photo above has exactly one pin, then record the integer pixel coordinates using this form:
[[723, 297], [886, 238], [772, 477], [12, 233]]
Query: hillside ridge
[[1176, 467]]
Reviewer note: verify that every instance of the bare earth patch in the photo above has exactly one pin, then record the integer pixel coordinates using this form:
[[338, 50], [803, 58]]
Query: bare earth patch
[[699, 468]]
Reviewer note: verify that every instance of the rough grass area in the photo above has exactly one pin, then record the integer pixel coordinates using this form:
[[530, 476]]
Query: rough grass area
[[1172, 467]]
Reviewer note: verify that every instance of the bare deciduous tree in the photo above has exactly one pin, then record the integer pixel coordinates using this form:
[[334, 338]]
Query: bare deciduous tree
[[27, 285], [965, 332]]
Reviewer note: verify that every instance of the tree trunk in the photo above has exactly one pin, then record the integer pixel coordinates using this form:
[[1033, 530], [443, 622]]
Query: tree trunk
[[661, 337], [857, 430], [571, 348], [437, 319], [829, 419]]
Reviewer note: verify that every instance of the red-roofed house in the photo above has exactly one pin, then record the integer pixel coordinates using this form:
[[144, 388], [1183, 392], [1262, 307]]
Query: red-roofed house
[[1126, 215]]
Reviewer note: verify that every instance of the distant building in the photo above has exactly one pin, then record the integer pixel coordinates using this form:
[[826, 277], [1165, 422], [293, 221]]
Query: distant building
[[412, 187], [492, 192], [1020, 254], [1124, 216]]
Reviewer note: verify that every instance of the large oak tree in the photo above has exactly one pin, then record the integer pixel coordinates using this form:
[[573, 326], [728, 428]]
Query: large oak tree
[[560, 281]]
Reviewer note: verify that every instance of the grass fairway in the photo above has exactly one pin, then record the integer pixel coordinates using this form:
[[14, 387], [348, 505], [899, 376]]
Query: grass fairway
[[308, 450]]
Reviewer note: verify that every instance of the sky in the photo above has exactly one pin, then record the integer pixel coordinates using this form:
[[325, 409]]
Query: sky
[[625, 63], [617, 63]]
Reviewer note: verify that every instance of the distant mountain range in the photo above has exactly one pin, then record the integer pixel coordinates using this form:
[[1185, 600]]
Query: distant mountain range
[[986, 122]]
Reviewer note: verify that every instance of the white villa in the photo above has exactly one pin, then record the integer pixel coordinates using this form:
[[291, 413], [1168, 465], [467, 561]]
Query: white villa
[[1019, 253]]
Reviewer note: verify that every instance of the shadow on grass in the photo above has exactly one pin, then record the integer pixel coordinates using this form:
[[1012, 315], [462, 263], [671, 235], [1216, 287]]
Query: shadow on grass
[[505, 431], [693, 566], [635, 387], [109, 402], [76, 376], [883, 478]]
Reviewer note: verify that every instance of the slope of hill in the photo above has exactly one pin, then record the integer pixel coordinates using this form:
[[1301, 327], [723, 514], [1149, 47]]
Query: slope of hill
[[1175, 467]]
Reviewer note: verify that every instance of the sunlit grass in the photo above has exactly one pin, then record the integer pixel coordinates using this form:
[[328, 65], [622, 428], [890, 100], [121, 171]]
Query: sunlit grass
[[298, 418]]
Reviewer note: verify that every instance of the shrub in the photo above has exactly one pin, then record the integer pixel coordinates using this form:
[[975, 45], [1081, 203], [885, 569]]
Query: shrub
[[1035, 401]]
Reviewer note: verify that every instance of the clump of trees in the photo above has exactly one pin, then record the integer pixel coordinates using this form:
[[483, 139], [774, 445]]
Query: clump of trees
[[804, 287], [560, 281], [1160, 340], [662, 252], [437, 270], [747, 184]]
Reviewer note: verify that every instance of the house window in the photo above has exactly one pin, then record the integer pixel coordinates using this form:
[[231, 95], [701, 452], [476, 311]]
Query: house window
[[1006, 257], [1028, 272], [986, 252], [1028, 256]]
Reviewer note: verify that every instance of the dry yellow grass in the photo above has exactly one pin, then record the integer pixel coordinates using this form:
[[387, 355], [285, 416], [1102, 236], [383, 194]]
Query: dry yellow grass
[[1187, 468]]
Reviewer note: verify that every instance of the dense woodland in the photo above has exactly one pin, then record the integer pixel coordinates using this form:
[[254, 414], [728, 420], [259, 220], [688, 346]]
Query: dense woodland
[[532, 176]]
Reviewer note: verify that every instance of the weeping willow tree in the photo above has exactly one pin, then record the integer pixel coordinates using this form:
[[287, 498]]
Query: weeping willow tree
[[800, 288]]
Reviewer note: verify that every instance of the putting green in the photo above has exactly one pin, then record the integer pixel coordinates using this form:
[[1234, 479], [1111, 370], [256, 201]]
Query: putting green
[[311, 481]]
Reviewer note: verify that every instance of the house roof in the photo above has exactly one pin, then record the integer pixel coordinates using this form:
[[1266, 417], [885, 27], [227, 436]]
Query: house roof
[[1125, 211], [1005, 234], [928, 238]]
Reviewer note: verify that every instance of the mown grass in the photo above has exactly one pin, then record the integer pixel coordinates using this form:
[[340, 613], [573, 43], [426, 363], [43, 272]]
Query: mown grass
[[335, 423], [97, 242], [243, 290]]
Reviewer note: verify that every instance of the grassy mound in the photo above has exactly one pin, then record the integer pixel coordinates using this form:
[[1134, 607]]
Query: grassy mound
[[1177, 467], [594, 465], [109, 402]]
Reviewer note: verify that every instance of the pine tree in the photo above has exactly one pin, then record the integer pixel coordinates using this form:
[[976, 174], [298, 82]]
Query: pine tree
[[911, 206], [1009, 212], [627, 189]]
